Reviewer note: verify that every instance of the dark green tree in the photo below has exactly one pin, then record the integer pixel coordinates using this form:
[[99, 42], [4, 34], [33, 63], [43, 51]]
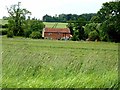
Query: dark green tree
[[79, 27], [31, 26], [17, 16], [95, 19], [110, 18], [92, 31], [71, 27]]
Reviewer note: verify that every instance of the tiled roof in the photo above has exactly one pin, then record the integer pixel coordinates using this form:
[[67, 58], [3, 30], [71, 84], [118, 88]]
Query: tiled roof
[[60, 30]]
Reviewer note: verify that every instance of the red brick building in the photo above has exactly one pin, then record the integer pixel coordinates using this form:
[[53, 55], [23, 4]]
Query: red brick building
[[56, 33]]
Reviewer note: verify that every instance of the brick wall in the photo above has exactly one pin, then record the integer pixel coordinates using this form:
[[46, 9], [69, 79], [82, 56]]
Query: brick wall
[[56, 35]]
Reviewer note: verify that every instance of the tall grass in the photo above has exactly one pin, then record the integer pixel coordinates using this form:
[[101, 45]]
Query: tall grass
[[31, 63]]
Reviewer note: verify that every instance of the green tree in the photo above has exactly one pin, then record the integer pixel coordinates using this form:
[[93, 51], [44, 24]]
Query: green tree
[[95, 19], [110, 18], [17, 16], [78, 25], [92, 31], [33, 26], [35, 35], [71, 27], [76, 28]]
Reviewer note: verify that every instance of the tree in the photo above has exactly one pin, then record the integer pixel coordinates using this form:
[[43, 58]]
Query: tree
[[71, 27], [88, 16], [92, 31], [95, 19], [110, 18], [17, 16], [31, 26], [76, 28], [79, 27], [5, 18]]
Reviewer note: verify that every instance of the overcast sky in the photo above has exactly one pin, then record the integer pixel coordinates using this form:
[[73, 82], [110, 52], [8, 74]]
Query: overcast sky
[[52, 7]]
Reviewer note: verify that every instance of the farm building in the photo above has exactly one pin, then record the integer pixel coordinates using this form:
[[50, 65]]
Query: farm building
[[56, 33]]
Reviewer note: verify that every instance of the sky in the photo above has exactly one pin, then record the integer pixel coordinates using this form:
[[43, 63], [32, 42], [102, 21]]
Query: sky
[[39, 8]]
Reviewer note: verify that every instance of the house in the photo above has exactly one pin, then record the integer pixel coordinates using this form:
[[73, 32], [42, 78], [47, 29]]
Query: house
[[56, 33]]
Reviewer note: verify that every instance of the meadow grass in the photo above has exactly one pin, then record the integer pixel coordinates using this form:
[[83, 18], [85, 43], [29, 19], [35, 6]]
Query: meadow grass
[[51, 24], [32, 63], [3, 22]]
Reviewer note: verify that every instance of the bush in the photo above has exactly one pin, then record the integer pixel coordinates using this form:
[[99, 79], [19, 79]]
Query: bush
[[10, 34], [36, 35], [3, 32], [75, 38], [5, 26], [93, 35], [27, 33]]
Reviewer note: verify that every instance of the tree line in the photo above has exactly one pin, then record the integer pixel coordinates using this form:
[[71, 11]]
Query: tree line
[[67, 17], [102, 26]]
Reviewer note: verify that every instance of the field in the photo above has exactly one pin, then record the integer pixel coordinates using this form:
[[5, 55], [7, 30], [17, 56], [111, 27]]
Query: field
[[59, 25], [29, 63]]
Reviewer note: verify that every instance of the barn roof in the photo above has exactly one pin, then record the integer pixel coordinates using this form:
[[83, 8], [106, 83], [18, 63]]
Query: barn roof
[[59, 30]]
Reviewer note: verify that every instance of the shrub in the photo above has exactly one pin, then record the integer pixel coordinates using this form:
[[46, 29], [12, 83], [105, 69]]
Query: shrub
[[93, 35], [75, 38], [5, 26], [27, 33], [36, 35], [10, 34], [3, 32]]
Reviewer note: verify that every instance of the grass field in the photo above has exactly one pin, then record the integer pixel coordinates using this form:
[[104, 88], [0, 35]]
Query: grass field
[[59, 25], [29, 63]]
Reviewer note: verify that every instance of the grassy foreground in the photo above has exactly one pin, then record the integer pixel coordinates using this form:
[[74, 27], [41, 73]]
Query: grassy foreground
[[29, 63]]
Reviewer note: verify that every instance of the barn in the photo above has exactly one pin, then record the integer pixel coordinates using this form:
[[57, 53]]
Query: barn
[[56, 33]]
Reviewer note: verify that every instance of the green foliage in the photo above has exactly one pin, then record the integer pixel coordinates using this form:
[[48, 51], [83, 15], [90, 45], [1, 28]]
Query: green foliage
[[77, 29], [27, 33], [33, 26], [16, 19], [110, 18], [10, 34], [93, 35], [36, 25], [36, 35], [3, 31], [95, 19], [67, 17], [71, 26], [92, 31], [75, 36], [104, 26], [4, 26], [18, 24]]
